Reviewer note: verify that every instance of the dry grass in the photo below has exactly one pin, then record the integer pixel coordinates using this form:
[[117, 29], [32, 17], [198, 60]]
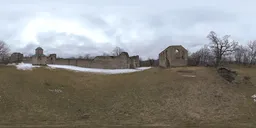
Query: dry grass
[[154, 97]]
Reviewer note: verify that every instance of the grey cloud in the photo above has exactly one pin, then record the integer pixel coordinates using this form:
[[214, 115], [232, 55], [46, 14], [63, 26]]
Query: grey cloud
[[157, 24]]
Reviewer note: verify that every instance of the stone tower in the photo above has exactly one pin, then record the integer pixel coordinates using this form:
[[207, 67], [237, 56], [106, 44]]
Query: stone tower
[[39, 58], [39, 51]]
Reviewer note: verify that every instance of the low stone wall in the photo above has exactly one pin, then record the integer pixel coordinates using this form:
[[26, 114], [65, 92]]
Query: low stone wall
[[123, 61], [74, 62]]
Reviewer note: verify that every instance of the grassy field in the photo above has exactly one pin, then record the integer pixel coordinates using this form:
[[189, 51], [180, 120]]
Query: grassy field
[[155, 97]]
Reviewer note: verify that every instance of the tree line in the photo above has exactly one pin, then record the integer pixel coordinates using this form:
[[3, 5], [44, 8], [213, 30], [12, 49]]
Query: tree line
[[5, 53], [220, 50], [223, 50]]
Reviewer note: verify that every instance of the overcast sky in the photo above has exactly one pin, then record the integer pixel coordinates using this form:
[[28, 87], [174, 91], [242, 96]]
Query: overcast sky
[[143, 27]]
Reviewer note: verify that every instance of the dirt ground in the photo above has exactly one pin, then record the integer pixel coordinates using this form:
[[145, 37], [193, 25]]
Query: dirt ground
[[177, 97]]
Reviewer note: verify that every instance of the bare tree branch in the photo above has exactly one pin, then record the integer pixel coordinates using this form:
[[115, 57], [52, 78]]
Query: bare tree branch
[[4, 50], [252, 51], [117, 51], [221, 47]]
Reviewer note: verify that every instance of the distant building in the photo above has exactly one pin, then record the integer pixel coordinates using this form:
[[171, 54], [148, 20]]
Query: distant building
[[39, 58], [51, 59], [173, 56], [16, 57]]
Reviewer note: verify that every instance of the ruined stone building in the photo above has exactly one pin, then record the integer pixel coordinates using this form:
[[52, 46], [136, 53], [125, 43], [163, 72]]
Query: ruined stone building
[[173, 56], [134, 61], [39, 58], [123, 61], [51, 59], [16, 57]]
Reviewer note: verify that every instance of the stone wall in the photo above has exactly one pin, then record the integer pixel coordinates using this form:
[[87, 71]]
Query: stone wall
[[123, 61], [111, 62], [134, 61], [173, 56], [74, 62], [51, 59], [39, 60]]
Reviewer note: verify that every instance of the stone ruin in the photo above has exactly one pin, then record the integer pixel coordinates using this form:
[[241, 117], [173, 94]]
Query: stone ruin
[[39, 58], [134, 61], [123, 61], [51, 59], [173, 56]]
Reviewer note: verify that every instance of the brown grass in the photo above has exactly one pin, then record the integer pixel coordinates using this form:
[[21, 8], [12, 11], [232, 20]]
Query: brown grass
[[156, 97]]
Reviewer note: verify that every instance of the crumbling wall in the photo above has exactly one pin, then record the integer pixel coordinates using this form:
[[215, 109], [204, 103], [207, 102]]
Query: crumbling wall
[[165, 58], [173, 56], [134, 61], [39, 60], [111, 62], [83, 62], [123, 61], [179, 56], [51, 59]]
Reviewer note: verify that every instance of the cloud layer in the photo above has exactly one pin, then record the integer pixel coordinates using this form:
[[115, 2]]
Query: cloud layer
[[144, 27]]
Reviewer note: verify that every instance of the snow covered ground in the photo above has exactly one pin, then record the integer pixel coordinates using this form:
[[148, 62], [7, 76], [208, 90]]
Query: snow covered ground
[[26, 66]]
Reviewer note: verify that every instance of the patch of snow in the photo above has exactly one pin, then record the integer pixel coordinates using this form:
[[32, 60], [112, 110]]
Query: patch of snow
[[254, 96], [189, 75], [26, 66], [95, 70], [55, 90]]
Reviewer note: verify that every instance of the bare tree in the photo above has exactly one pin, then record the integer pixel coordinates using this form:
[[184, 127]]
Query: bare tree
[[4, 50], [88, 57], [246, 59], [117, 51], [239, 54], [201, 57], [151, 61], [252, 51], [221, 46]]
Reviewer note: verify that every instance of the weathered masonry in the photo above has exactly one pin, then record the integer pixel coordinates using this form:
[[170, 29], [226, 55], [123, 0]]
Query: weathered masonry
[[39, 58], [173, 56], [123, 61]]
